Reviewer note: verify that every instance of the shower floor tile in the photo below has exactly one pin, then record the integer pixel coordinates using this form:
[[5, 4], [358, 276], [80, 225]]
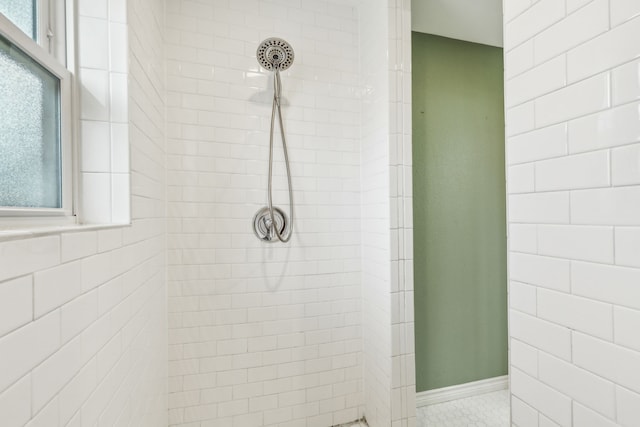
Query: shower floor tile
[[485, 410]]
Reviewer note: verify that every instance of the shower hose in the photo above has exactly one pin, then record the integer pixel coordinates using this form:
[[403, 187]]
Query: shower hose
[[277, 88]]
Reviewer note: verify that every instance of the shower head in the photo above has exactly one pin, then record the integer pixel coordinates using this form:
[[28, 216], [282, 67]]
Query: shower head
[[274, 53]]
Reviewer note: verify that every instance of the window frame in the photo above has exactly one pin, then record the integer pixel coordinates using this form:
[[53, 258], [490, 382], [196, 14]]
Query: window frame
[[50, 51]]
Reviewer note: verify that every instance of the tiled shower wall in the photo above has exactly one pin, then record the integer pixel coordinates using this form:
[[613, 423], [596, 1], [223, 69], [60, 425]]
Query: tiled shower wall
[[403, 390], [573, 149], [376, 222], [83, 313], [263, 334]]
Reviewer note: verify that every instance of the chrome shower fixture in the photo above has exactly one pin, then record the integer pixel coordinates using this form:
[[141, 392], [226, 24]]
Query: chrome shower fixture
[[274, 53], [270, 223]]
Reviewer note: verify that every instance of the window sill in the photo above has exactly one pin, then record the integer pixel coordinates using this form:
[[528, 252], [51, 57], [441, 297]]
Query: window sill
[[30, 232]]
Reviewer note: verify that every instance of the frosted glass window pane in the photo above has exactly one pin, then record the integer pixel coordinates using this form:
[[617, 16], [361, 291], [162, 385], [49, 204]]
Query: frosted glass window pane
[[29, 132], [23, 14]]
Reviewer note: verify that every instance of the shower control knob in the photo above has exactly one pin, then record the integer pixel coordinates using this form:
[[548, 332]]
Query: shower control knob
[[263, 226]]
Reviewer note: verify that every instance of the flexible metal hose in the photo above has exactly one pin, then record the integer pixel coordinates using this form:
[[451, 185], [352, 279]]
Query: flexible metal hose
[[277, 86]]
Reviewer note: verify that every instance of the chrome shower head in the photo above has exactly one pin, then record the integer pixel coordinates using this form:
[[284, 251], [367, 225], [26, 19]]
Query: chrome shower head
[[274, 53]]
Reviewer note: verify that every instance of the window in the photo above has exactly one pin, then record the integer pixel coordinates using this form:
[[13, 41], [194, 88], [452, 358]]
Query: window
[[35, 143]]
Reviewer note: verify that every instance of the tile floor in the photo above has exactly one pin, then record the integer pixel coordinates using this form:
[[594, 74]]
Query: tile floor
[[485, 410]]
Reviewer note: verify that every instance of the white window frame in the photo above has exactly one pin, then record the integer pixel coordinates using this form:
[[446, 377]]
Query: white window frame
[[50, 51]]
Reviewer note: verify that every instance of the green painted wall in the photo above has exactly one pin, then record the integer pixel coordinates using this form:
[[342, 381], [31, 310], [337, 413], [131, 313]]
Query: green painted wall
[[459, 212]]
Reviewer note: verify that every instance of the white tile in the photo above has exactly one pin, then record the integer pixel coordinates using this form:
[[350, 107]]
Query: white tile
[[110, 294], [96, 146], [93, 46], [20, 257], [590, 170], [94, 94], [623, 10], [627, 325], [592, 317], [76, 421], [77, 390], [524, 357], [585, 416], [96, 270], [117, 41], [56, 286], [628, 246], [26, 347], [576, 242], [520, 119], [16, 303], [514, 8], [613, 206], [78, 245], [522, 414], [628, 405], [544, 143], [542, 271], [598, 54], [521, 179], [118, 104], [590, 353], [118, 11], [625, 165], [546, 422], [583, 25], [541, 334], [536, 82], [610, 128], [96, 198], [549, 208], [518, 60], [45, 417], [578, 384], [15, 403], [109, 355], [573, 5], [542, 397], [78, 314], [120, 148], [96, 9], [535, 19], [578, 99], [606, 283], [55, 372], [95, 337], [120, 199], [625, 83], [523, 238], [109, 239], [522, 297]]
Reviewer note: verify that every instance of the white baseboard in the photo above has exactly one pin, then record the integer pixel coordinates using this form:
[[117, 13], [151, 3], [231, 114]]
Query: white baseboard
[[461, 391]]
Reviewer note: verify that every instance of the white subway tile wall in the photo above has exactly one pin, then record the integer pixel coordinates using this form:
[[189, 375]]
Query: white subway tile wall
[[83, 314], [572, 112], [102, 65], [403, 389], [258, 334], [263, 334], [376, 214], [281, 335]]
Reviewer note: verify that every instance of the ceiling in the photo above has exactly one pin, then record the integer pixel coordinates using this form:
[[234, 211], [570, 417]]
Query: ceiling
[[478, 21]]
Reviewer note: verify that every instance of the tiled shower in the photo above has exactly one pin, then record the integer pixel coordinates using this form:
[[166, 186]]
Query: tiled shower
[[263, 333], [258, 334], [271, 334], [184, 318]]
